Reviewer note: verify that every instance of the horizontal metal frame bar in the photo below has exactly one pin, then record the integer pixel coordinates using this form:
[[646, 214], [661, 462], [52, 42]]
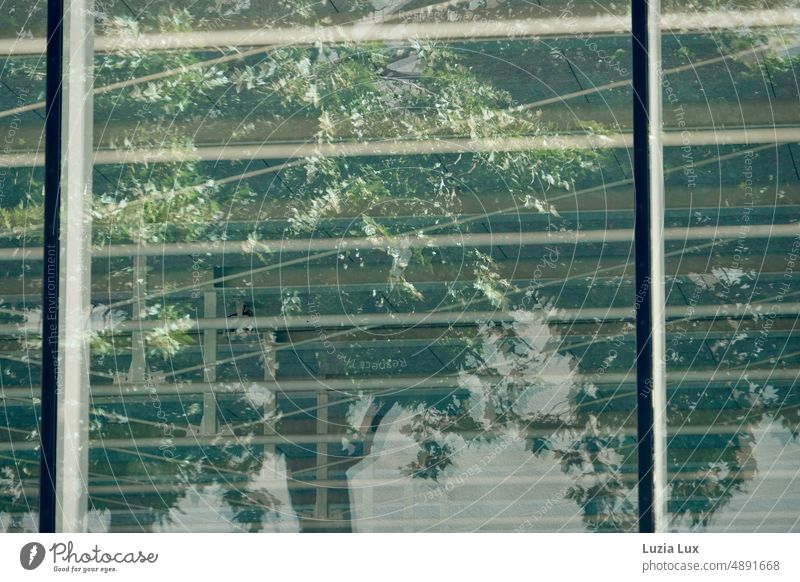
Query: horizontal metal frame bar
[[397, 383], [436, 318], [408, 147], [240, 55], [550, 521], [371, 31], [315, 439], [297, 484], [411, 240], [311, 484]]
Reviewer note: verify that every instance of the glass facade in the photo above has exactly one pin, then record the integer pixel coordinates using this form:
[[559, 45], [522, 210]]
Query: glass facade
[[21, 128], [732, 294], [368, 266]]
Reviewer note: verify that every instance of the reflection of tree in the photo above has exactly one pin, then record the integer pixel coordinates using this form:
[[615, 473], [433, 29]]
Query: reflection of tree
[[412, 91], [513, 380], [166, 473], [12, 496], [516, 382], [714, 466]]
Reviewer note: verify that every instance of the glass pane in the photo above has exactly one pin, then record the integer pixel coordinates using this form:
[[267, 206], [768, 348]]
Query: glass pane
[[21, 183], [367, 283], [730, 107]]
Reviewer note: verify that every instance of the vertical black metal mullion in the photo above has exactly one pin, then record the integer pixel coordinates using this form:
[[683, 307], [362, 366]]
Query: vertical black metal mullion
[[642, 249], [51, 271]]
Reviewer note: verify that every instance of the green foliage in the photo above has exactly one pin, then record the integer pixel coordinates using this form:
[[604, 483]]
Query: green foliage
[[425, 92], [166, 340]]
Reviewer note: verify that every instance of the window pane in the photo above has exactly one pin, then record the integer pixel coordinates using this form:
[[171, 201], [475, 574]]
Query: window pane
[[377, 281], [21, 183], [730, 108]]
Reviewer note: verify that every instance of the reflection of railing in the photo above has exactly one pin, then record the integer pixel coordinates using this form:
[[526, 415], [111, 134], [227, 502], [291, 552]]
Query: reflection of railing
[[394, 383], [453, 318], [369, 31], [717, 232], [455, 145], [308, 439]]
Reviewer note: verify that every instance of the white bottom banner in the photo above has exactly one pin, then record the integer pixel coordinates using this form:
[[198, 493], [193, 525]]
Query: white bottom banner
[[332, 557]]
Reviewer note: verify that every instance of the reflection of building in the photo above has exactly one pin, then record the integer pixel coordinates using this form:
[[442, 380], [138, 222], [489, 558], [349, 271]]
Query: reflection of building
[[192, 513], [490, 487], [769, 499]]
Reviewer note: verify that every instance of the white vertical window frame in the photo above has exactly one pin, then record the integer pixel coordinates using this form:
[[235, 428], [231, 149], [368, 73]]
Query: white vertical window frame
[[76, 228], [658, 302]]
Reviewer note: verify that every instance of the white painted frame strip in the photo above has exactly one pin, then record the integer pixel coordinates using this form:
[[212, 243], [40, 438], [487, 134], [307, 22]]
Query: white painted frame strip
[[658, 293], [76, 191]]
